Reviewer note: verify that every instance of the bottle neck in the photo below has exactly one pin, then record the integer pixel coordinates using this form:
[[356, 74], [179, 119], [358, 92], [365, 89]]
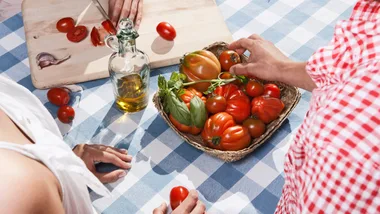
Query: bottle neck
[[127, 46]]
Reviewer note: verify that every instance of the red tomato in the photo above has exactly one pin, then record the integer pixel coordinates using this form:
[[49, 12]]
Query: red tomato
[[255, 127], [237, 102], [95, 37], [58, 96], [189, 94], [66, 114], [272, 90], [166, 31], [227, 75], [254, 88], [177, 196], [267, 109], [220, 132], [228, 58], [64, 25], [107, 24], [183, 128], [77, 34], [216, 104]]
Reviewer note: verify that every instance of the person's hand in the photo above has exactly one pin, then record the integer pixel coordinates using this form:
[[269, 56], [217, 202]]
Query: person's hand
[[265, 60], [132, 9], [191, 205], [90, 154]]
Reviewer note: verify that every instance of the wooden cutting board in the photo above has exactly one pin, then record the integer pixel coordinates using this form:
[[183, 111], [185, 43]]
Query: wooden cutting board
[[198, 24]]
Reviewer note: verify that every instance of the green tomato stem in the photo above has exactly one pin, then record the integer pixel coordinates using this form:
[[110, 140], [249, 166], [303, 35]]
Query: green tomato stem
[[210, 81]]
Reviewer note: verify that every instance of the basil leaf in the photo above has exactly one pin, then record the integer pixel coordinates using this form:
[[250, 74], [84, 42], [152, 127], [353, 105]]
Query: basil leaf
[[166, 104], [162, 84], [198, 112], [179, 109]]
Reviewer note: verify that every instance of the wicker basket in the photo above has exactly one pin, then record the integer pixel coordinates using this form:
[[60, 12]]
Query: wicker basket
[[289, 95]]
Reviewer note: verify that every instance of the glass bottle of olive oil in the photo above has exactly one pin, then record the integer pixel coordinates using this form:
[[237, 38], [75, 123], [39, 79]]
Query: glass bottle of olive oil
[[129, 69]]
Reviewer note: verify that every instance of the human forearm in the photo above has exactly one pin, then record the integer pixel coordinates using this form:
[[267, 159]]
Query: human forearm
[[294, 73]]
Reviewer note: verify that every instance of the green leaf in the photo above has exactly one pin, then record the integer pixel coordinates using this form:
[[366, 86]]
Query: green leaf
[[162, 84], [182, 77], [166, 104], [181, 92], [242, 79], [210, 89], [179, 109], [198, 112]]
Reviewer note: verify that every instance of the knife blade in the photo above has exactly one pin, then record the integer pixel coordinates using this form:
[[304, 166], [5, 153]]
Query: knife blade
[[101, 9]]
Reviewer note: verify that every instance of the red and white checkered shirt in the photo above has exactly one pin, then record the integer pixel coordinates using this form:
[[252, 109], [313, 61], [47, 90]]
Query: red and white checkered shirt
[[333, 165]]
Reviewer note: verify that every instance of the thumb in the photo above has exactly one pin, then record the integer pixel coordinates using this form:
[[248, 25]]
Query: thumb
[[246, 69], [161, 209]]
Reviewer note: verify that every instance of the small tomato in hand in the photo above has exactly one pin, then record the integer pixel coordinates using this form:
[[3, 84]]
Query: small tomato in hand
[[228, 58], [177, 196], [254, 88], [272, 90], [66, 114], [166, 31], [64, 25], [58, 96], [267, 109], [216, 104], [255, 127]]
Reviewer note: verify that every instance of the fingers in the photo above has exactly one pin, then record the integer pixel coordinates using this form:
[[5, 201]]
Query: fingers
[[126, 9], [189, 203], [243, 69], [243, 43], [133, 11], [255, 37], [139, 14], [161, 209], [110, 177], [111, 7], [116, 11], [121, 153], [111, 158], [200, 208]]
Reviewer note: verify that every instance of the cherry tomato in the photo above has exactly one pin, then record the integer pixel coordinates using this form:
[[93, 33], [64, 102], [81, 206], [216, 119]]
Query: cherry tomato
[[255, 127], [66, 114], [58, 96], [166, 31], [266, 108], [107, 24], [228, 58], [254, 88], [216, 104], [77, 34], [272, 90], [64, 25], [177, 196], [95, 36]]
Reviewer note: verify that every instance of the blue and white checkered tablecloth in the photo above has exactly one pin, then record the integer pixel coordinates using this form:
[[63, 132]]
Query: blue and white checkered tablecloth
[[161, 159]]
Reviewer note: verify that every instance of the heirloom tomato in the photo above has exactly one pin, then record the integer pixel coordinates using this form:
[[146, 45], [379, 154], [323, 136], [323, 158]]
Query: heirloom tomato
[[183, 128], [177, 196], [200, 65], [220, 132], [266, 108], [189, 93], [272, 90], [237, 102]]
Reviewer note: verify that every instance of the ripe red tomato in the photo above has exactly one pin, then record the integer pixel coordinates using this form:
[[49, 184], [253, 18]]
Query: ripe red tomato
[[177, 196], [189, 94], [183, 128], [95, 36], [267, 109], [64, 25], [58, 96], [272, 90], [237, 102], [228, 58], [254, 88], [216, 104], [255, 127], [66, 114], [107, 24], [77, 34], [227, 75], [220, 132], [166, 31]]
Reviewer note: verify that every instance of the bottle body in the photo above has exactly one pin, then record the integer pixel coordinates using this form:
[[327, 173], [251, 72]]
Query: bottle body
[[130, 75]]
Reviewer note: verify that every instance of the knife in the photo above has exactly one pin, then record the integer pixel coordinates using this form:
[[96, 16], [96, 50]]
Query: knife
[[101, 9]]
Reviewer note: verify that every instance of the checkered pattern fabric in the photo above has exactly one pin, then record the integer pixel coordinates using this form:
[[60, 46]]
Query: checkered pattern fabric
[[162, 160], [333, 165]]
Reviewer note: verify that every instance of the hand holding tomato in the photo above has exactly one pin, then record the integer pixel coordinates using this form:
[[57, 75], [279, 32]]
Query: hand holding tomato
[[190, 204], [228, 58]]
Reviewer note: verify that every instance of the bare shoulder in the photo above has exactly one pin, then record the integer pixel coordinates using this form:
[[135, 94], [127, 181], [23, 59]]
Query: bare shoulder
[[27, 186]]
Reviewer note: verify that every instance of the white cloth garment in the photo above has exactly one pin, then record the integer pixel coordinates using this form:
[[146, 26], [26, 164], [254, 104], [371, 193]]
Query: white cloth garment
[[34, 119]]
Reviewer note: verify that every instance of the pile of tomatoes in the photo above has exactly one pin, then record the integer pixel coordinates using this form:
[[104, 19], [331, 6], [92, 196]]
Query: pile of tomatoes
[[237, 112], [61, 97]]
